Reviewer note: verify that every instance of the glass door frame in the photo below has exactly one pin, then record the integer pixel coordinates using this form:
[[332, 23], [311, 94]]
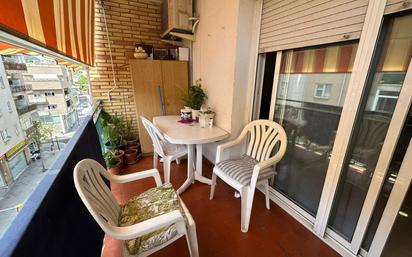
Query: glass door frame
[[389, 146], [397, 196], [361, 70], [278, 197]]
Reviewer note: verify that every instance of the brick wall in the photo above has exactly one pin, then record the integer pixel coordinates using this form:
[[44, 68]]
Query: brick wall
[[128, 22]]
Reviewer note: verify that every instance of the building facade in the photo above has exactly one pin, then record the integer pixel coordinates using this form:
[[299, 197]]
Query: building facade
[[14, 152], [51, 93]]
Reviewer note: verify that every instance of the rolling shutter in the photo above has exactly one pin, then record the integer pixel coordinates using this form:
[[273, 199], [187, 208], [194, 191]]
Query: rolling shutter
[[289, 24], [393, 6]]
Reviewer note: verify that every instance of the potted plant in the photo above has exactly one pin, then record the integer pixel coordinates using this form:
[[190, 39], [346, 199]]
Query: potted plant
[[119, 154], [206, 117], [195, 98], [112, 132], [129, 137], [112, 162], [131, 156]]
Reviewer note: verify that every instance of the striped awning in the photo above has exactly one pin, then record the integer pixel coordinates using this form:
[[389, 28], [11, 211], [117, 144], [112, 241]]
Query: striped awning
[[63, 26], [7, 49]]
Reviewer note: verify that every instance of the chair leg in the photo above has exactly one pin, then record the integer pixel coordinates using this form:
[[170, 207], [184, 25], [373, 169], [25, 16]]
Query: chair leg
[[212, 187], [166, 170], [267, 200], [247, 194], [155, 160], [191, 239]]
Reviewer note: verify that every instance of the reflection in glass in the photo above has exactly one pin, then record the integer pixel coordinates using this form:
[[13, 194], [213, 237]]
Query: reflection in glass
[[311, 92], [400, 238], [372, 124], [386, 190]]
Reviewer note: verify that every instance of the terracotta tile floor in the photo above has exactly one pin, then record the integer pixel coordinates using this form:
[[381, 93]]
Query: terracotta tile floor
[[271, 233]]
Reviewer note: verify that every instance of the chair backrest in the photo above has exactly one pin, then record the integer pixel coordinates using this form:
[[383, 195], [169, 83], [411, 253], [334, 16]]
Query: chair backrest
[[95, 194], [264, 136], [155, 135]]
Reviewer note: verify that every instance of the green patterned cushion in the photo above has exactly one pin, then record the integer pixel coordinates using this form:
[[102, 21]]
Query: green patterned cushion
[[152, 203]]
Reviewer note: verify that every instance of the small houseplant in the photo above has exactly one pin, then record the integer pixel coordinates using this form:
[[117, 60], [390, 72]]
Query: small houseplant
[[131, 156], [195, 98], [112, 162], [129, 137], [132, 144], [113, 128], [206, 117]]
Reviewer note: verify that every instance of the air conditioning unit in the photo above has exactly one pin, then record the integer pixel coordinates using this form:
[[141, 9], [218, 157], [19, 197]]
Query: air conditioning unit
[[177, 21]]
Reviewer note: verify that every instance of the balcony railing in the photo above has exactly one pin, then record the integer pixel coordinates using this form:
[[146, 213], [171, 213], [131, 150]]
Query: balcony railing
[[38, 100], [22, 88], [54, 220], [15, 66], [26, 109]]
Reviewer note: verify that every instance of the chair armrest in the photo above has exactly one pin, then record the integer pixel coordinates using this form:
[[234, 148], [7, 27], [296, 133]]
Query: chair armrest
[[146, 227], [221, 148], [136, 176]]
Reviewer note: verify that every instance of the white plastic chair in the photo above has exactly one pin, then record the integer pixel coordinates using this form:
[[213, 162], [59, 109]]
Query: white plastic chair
[[255, 167], [167, 151], [104, 208]]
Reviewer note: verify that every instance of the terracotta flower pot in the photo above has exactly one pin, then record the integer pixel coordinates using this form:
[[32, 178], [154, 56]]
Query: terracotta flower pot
[[120, 155], [131, 156], [132, 144], [116, 168]]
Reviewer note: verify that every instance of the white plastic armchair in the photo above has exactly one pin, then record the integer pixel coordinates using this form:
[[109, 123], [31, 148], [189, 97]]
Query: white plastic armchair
[[104, 208], [266, 145], [169, 152]]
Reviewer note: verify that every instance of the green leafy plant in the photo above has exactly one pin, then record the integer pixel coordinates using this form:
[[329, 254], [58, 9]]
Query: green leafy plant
[[113, 129], [207, 111], [128, 131], [40, 133], [111, 159], [196, 96]]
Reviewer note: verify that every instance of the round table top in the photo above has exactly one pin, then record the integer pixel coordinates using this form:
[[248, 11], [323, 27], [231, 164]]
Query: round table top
[[187, 133]]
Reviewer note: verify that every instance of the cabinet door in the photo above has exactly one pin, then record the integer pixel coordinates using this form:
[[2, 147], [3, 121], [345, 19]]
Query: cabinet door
[[175, 85], [146, 76]]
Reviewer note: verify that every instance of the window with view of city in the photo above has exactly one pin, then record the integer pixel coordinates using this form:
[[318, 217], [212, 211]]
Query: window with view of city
[[42, 105]]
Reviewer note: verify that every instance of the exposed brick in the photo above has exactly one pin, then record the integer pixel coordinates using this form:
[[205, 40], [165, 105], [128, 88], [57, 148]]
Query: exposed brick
[[129, 22]]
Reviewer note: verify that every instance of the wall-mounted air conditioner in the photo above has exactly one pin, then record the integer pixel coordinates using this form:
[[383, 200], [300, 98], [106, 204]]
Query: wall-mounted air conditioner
[[177, 21]]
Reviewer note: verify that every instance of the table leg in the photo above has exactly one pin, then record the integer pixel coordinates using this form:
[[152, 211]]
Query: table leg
[[199, 168], [190, 173]]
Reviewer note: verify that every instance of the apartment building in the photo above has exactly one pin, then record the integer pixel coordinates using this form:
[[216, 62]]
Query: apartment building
[[15, 67], [51, 93], [14, 152]]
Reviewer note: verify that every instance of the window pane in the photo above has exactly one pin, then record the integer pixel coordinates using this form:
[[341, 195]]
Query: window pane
[[372, 124], [386, 190], [311, 92]]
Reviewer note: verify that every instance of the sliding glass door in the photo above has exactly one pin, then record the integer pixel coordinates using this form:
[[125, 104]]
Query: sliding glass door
[[341, 178], [398, 243], [312, 86], [381, 96]]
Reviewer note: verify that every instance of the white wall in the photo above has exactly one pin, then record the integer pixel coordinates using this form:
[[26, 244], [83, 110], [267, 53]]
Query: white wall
[[224, 55]]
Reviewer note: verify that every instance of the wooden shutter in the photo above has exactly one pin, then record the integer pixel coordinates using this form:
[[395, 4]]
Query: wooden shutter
[[393, 6], [289, 24]]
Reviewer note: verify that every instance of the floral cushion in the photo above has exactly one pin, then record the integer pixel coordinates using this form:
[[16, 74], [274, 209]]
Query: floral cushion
[[150, 204]]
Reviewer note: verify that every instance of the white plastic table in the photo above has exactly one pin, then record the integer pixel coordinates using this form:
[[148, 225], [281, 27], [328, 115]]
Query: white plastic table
[[190, 135]]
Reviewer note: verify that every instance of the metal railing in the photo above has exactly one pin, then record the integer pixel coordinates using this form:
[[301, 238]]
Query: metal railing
[[22, 88]]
